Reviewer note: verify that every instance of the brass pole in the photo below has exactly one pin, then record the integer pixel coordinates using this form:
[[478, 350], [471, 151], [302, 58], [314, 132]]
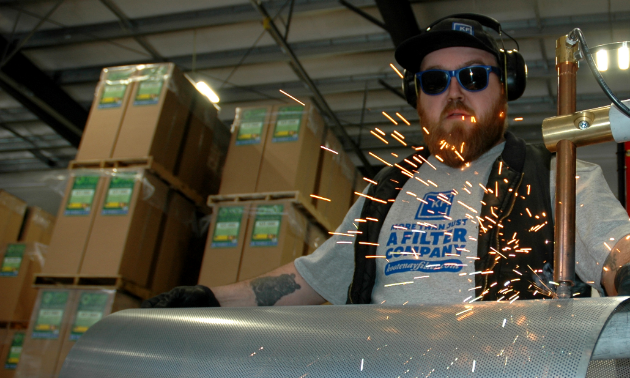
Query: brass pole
[[564, 251]]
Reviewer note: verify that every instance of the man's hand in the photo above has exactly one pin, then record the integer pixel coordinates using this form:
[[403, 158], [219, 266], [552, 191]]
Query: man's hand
[[622, 280], [183, 296]]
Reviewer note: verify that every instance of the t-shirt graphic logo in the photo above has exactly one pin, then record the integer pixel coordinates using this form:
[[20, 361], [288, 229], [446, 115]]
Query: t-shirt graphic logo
[[435, 206], [463, 28]]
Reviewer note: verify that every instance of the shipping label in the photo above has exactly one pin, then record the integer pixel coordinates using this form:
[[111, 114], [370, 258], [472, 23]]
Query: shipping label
[[15, 351], [119, 195], [228, 227], [12, 260], [89, 312], [287, 127], [267, 226], [81, 195], [50, 315], [251, 126]]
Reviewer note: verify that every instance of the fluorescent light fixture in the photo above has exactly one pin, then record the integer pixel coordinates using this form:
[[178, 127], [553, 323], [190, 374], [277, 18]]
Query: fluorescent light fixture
[[623, 55], [207, 91], [602, 60]]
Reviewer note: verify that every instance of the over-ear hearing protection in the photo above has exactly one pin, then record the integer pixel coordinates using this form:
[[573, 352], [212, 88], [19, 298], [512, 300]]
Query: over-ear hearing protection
[[512, 64]]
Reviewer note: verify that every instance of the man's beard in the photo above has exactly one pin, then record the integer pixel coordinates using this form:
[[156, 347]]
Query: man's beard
[[477, 138]]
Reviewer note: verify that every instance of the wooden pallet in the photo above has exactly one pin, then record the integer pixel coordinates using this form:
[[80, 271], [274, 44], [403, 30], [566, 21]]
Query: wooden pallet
[[142, 163], [13, 325], [300, 202], [85, 282]]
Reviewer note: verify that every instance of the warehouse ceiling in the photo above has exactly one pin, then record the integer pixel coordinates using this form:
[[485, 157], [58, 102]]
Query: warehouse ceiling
[[53, 51]]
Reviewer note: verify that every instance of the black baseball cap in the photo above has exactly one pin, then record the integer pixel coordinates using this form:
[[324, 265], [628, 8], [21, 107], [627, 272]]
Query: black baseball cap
[[450, 32]]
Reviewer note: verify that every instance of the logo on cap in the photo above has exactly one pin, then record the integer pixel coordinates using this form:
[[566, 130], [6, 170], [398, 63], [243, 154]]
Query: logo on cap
[[463, 28]]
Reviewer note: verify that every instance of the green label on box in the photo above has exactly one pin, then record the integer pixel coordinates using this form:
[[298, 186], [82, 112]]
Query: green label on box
[[227, 227], [267, 226], [112, 96], [15, 351], [81, 195], [148, 92], [89, 312], [118, 195], [250, 129], [12, 260], [50, 315], [287, 127]]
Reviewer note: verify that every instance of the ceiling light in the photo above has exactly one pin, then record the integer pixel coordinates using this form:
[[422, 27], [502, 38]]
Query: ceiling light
[[623, 55], [207, 91], [602, 60]]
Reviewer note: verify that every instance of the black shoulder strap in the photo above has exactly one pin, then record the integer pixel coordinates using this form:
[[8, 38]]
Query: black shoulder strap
[[390, 181]]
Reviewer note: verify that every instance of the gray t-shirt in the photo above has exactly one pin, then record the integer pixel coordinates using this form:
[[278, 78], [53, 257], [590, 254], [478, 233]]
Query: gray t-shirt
[[428, 242]]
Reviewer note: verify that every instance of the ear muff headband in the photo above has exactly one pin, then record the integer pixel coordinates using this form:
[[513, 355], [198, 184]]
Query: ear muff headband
[[514, 76]]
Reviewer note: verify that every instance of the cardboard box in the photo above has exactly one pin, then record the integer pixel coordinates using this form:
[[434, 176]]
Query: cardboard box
[[155, 119], [76, 215], [203, 153], [175, 244], [316, 236], [292, 151], [245, 154], [38, 226], [50, 320], [276, 235], [109, 105], [12, 210], [18, 263], [226, 238], [90, 307], [11, 342], [127, 227]]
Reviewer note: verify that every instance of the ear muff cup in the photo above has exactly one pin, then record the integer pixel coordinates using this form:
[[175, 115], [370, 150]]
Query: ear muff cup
[[409, 88], [516, 76]]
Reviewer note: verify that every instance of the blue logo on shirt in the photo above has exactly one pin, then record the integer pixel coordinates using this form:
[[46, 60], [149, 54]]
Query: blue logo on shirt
[[436, 205], [463, 28]]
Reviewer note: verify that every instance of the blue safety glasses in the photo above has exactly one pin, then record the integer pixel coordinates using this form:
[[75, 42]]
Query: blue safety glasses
[[472, 78]]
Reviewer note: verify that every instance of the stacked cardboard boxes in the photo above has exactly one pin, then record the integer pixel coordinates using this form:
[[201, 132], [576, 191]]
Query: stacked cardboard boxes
[[153, 148], [12, 210], [275, 150], [38, 226], [58, 320]]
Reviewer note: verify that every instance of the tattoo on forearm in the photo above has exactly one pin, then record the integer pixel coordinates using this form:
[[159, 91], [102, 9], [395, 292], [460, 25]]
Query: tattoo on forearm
[[269, 290]]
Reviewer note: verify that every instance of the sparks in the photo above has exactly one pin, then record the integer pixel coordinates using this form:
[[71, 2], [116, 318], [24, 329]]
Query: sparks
[[375, 257], [370, 181], [399, 283], [368, 243], [390, 118], [461, 312], [321, 198], [370, 197], [379, 137], [403, 119], [291, 97], [425, 130], [339, 233], [398, 139], [328, 149], [374, 156], [396, 70]]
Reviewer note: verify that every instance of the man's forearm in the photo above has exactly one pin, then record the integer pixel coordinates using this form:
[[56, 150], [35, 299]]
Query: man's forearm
[[618, 257], [283, 286]]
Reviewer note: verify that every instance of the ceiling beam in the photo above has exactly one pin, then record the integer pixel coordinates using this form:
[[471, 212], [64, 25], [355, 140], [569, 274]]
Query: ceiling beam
[[20, 78], [188, 20], [399, 19]]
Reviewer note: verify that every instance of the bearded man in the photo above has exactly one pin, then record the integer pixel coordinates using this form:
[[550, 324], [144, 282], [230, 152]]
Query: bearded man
[[467, 217]]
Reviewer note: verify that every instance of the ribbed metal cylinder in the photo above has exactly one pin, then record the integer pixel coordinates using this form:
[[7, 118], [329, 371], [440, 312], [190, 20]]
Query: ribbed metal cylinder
[[524, 338]]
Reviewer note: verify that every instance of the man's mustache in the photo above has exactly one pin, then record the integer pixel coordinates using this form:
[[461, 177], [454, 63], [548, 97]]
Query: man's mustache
[[456, 105]]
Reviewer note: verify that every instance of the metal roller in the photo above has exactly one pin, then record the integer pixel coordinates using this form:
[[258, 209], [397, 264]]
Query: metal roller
[[544, 338]]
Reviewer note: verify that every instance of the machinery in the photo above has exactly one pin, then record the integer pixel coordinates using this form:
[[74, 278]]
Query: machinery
[[564, 337]]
